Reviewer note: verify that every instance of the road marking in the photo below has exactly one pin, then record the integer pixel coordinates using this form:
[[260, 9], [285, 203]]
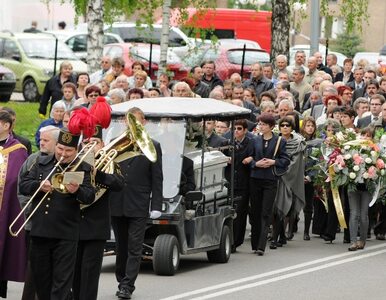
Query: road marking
[[270, 273], [286, 276]]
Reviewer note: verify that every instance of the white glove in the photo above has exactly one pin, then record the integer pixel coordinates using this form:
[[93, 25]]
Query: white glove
[[155, 214]]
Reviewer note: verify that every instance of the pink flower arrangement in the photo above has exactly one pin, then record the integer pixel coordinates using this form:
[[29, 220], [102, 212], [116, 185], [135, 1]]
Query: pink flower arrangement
[[372, 171], [357, 159], [380, 164]]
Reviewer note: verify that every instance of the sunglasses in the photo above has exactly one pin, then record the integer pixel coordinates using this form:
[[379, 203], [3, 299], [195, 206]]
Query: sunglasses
[[239, 128], [285, 125], [93, 95]]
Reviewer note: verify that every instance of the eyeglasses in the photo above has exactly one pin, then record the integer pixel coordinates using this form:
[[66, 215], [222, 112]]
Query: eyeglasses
[[93, 95], [375, 104], [285, 125], [347, 93], [239, 128]]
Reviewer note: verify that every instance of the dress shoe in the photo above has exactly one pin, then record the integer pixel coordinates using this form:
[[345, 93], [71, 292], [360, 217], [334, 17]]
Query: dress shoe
[[123, 293], [346, 241], [260, 252], [283, 241], [353, 247], [327, 238], [273, 246], [290, 236], [306, 237], [361, 245], [380, 236], [233, 249]]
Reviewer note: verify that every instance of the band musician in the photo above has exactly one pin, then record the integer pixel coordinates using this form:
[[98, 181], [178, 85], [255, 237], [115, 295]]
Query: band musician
[[94, 229], [55, 224], [130, 211]]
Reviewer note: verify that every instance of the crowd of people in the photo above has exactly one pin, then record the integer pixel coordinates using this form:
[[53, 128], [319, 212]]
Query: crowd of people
[[294, 109]]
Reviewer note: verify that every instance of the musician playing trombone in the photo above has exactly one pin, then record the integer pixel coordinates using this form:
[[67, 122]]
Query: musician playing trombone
[[94, 226], [55, 223]]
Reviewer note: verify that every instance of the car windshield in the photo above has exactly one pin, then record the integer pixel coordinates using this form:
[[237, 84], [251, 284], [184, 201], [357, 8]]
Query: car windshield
[[143, 54], [251, 57], [45, 49], [171, 135]]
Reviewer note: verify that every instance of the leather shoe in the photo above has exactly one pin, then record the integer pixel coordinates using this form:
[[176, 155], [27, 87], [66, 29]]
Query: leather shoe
[[361, 245], [272, 246], [353, 247], [380, 236], [306, 237], [123, 293], [260, 252]]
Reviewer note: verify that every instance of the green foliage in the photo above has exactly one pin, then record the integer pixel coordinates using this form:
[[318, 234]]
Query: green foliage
[[237, 4], [347, 43]]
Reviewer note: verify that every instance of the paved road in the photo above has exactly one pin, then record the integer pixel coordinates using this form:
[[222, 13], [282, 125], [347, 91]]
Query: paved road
[[300, 270]]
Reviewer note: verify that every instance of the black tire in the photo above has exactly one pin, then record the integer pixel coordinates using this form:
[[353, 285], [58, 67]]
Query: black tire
[[166, 255], [30, 90], [222, 254], [5, 98]]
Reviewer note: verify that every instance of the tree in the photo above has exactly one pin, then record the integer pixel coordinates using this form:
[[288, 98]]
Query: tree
[[347, 43], [354, 13]]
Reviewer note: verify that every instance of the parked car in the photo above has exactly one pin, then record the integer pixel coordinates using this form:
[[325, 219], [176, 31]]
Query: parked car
[[7, 83], [31, 57], [306, 48], [77, 41], [179, 43], [372, 57], [131, 52], [201, 220], [239, 43], [228, 60]]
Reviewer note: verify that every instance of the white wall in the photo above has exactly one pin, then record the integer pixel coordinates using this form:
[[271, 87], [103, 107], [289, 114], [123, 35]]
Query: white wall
[[16, 15]]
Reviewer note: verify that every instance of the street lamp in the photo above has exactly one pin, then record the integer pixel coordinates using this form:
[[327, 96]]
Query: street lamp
[[297, 6]]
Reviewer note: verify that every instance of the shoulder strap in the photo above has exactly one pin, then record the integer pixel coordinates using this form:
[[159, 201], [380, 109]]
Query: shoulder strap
[[277, 146]]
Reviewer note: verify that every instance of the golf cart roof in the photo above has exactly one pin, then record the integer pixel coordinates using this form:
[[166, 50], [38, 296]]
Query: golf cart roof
[[178, 108]]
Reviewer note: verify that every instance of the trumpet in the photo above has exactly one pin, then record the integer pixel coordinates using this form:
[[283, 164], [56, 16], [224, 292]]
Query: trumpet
[[57, 184]]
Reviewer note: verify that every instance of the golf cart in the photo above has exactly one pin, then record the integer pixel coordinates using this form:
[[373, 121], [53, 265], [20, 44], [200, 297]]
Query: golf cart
[[201, 220]]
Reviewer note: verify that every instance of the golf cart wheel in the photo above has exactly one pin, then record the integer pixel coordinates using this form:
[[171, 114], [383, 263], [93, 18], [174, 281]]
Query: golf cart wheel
[[222, 254], [30, 90], [166, 255]]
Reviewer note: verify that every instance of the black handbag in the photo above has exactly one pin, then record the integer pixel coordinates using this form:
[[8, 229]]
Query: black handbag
[[278, 171]]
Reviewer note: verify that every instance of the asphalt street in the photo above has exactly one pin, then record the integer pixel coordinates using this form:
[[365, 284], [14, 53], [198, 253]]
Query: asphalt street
[[300, 270]]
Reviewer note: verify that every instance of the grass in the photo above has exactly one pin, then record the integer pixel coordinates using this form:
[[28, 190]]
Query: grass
[[27, 119]]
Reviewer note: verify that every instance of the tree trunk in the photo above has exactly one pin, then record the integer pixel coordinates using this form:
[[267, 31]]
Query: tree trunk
[[95, 34], [280, 28], [165, 35]]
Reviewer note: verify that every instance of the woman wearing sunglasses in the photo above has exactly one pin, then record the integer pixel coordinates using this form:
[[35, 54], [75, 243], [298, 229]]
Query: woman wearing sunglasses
[[290, 197], [269, 154]]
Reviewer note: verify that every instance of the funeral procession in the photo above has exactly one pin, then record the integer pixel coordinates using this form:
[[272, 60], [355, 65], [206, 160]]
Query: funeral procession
[[174, 150]]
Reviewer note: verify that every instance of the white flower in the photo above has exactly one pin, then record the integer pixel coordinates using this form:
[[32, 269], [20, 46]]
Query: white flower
[[352, 175], [339, 135], [373, 153], [347, 147], [365, 175], [382, 172], [368, 160], [356, 168], [347, 156]]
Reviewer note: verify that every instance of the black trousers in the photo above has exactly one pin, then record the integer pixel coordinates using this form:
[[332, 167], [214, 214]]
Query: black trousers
[[88, 266], [129, 234], [52, 264], [29, 291], [263, 193], [240, 223]]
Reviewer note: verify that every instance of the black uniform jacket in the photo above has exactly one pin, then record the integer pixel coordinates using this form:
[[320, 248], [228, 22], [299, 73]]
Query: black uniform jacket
[[242, 171], [142, 178], [95, 219], [59, 215]]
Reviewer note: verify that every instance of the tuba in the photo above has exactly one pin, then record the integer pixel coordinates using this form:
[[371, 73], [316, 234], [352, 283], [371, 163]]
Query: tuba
[[133, 142]]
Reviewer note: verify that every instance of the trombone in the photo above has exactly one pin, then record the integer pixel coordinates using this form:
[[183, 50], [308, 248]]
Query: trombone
[[57, 177], [16, 233]]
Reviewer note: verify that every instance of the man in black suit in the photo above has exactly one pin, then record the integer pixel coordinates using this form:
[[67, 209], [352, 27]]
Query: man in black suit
[[212, 139], [94, 230], [367, 90], [376, 103], [55, 225], [130, 211], [357, 82]]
